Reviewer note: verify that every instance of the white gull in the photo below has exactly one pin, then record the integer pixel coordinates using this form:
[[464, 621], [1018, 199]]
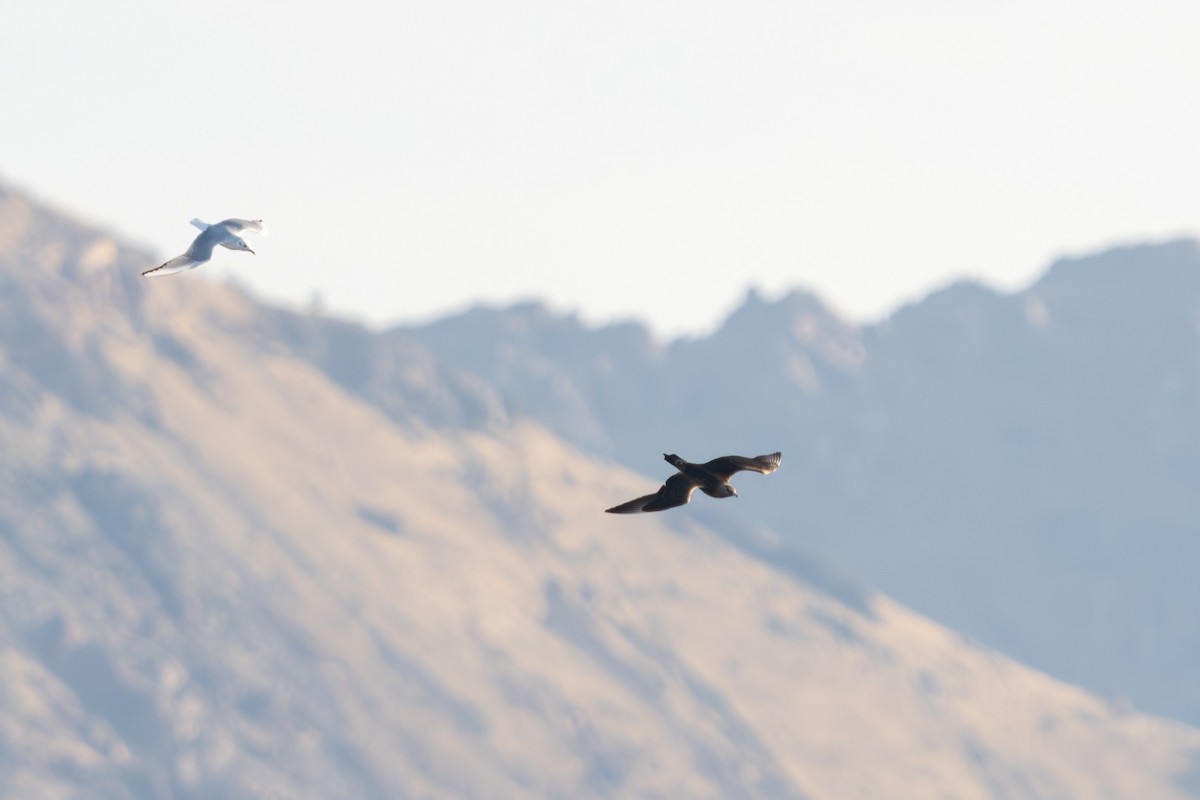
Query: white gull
[[225, 233]]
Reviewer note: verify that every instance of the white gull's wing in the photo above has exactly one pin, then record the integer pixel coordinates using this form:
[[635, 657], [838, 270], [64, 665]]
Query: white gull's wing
[[176, 264], [239, 226]]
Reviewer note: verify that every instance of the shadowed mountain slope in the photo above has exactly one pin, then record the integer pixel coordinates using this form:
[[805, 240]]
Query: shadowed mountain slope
[[1019, 466]]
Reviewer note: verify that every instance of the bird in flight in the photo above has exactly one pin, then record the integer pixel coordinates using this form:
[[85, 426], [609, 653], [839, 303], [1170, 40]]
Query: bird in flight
[[226, 233], [712, 478]]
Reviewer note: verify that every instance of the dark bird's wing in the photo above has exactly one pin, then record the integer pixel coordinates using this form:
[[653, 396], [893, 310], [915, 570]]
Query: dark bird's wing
[[677, 491], [725, 466]]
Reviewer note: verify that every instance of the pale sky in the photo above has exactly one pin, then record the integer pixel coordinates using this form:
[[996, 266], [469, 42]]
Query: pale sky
[[646, 160]]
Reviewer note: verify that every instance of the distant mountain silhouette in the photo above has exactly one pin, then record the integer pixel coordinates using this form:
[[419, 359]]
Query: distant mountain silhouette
[[252, 553], [1022, 467]]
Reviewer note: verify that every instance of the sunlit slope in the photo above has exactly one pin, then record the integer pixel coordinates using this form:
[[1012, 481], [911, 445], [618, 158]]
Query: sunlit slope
[[223, 575]]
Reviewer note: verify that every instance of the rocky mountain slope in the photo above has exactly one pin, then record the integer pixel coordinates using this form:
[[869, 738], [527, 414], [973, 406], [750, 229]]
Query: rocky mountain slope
[[229, 569]]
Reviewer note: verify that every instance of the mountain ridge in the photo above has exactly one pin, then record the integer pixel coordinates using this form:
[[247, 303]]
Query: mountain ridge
[[1061, 408], [227, 573], [857, 408]]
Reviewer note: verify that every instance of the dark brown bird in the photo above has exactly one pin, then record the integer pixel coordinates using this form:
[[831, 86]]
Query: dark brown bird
[[711, 478]]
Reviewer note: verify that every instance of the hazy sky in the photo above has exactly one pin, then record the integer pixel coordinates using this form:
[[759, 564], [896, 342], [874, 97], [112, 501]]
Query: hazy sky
[[624, 159]]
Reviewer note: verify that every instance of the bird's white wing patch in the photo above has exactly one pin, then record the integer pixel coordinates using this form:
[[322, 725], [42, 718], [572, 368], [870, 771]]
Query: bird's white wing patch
[[176, 264], [242, 225]]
